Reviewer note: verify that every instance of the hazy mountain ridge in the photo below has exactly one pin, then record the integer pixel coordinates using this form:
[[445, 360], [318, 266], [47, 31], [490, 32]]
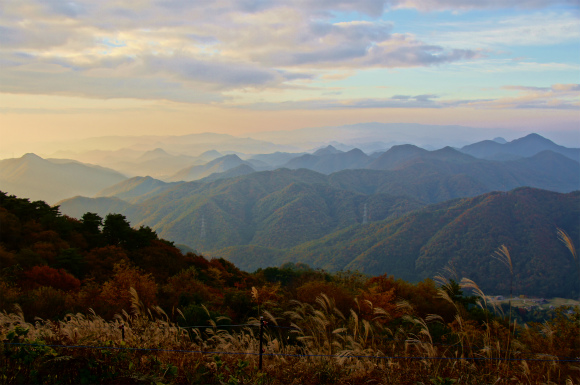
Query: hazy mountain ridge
[[327, 161], [52, 180], [283, 208], [430, 176], [218, 165], [136, 189], [527, 146]]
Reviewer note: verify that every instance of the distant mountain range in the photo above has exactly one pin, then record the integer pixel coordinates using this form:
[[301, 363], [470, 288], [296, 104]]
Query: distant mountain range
[[416, 175], [53, 179], [218, 165], [406, 211], [269, 218], [330, 159], [520, 148], [429, 176], [98, 149]]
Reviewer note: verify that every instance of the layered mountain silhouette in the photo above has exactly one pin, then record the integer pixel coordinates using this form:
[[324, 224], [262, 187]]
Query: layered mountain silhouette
[[157, 163], [329, 160], [406, 211], [285, 207], [406, 170], [527, 146], [53, 179], [218, 165], [275, 160], [136, 189]]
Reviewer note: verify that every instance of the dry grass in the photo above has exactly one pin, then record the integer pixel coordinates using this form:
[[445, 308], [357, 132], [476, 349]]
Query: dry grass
[[331, 347]]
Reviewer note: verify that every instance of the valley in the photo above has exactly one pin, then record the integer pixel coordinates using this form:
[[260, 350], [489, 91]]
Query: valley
[[406, 211]]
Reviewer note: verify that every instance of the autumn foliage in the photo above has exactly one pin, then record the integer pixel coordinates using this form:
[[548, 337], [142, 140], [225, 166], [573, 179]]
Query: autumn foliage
[[40, 276], [101, 270]]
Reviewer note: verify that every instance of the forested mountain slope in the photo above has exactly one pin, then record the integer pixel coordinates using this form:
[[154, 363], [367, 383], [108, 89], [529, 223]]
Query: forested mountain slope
[[281, 208], [463, 232]]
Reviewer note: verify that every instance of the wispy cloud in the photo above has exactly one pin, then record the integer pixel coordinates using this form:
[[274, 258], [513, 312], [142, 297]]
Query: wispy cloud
[[535, 29], [462, 5], [197, 52], [557, 97], [109, 49]]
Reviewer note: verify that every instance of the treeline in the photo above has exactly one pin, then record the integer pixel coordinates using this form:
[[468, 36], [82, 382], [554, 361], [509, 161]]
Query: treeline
[[52, 265]]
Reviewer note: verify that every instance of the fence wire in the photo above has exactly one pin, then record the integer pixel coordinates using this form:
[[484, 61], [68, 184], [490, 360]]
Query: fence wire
[[556, 359]]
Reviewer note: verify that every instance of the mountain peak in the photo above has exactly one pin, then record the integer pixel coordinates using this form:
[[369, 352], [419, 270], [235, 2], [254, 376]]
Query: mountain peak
[[154, 154], [226, 159], [396, 156], [158, 150], [210, 155], [231, 156], [328, 150], [31, 156], [356, 151], [449, 153], [533, 138]]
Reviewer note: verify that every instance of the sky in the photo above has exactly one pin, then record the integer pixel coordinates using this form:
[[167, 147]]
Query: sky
[[85, 68]]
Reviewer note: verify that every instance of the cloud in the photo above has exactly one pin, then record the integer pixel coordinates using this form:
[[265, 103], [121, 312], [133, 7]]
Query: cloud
[[530, 29], [556, 97], [397, 101], [217, 73], [462, 5], [210, 47], [566, 87], [355, 46], [197, 51]]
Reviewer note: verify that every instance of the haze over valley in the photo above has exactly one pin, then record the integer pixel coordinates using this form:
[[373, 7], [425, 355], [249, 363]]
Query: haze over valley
[[334, 207]]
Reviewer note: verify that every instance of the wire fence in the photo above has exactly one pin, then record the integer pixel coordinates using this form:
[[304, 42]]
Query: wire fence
[[261, 352], [555, 359]]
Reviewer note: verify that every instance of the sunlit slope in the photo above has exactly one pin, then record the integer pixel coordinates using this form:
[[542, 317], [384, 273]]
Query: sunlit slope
[[52, 180], [281, 208], [464, 232]]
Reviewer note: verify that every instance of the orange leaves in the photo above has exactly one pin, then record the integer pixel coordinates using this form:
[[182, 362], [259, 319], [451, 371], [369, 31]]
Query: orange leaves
[[116, 293], [372, 301], [47, 276]]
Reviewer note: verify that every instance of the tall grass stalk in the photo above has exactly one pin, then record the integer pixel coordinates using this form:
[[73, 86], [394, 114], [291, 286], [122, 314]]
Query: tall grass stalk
[[502, 254], [354, 344], [567, 241]]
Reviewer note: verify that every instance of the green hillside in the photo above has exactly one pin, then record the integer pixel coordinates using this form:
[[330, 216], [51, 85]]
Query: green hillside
[[465, 233], [279, 209]]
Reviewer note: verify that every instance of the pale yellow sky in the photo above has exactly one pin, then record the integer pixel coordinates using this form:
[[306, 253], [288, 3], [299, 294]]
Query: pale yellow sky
[[85, 68], [59, 119]]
